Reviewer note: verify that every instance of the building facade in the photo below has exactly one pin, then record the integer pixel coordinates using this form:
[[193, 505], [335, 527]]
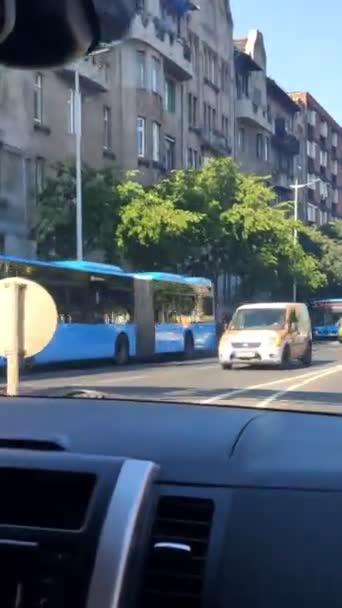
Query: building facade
[[253, 129], [267, 137], [162, 100], [321, 163]]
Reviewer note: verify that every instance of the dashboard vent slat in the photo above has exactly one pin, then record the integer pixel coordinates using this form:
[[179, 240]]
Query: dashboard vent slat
[[176, 566]]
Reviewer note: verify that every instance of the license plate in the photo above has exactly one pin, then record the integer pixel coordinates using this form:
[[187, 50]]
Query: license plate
[[246, 355]]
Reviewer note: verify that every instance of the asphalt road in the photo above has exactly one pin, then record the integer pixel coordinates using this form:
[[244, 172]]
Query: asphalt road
[[203, 381]]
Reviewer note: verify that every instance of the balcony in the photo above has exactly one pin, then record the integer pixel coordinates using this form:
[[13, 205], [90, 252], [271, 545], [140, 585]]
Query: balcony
[[162, 36], [251, 113], [93, 74], [214, 140], [284, 140], [282, 180]]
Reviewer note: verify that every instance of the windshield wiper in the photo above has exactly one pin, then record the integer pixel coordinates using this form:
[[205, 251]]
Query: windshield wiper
[[84, 394]]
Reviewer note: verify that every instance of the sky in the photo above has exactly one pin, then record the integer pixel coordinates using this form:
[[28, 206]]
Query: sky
[[303, 42]]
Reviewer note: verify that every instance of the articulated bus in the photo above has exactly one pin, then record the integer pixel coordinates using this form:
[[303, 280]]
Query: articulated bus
[[324, 315], [105, 312]]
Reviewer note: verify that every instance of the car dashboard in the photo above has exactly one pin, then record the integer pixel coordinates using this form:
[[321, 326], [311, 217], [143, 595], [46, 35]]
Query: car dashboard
[[108, 504]]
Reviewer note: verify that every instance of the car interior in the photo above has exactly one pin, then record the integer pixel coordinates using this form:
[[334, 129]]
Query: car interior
[[112, 503]]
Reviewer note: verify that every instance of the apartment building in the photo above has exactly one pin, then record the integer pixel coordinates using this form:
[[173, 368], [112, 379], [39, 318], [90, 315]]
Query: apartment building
[[286, 140], [321, 161], [267, 140], [178, 93], [253, 128], [162, 100], [37, 128]]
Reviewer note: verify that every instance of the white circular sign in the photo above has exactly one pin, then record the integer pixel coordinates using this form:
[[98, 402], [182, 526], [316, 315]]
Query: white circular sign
[[35, 322]]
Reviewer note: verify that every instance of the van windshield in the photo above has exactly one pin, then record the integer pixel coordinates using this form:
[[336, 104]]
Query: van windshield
[[259, 318]]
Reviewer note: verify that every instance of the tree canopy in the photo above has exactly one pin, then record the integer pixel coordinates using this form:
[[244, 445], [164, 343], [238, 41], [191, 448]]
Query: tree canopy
[[207, 221]]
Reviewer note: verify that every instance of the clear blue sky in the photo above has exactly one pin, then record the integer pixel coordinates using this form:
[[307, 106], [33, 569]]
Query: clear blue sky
[[303, 40]]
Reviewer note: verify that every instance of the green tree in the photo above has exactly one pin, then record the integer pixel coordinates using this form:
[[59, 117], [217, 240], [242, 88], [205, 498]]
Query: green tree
[[56, 212], [214, 220], [153, 231]]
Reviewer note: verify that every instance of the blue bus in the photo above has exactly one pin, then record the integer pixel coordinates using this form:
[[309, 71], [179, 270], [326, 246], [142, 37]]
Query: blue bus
[[107, 313], [325, 314]]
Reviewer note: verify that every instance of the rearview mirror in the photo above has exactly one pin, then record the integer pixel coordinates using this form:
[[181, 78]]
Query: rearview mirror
[[51, 33]]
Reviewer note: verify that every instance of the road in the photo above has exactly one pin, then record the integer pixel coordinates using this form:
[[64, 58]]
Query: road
[[203, 381]]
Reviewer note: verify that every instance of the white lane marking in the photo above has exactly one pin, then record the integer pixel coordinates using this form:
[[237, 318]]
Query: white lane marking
[[180, 391], [294, 387], [247, 389]]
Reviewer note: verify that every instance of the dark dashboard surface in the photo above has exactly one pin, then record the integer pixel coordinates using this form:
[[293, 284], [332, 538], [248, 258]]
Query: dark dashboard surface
[[274, 479], [193, 444]]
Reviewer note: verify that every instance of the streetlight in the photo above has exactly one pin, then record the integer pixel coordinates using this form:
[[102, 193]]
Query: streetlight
[[78, 136], [296, 187]]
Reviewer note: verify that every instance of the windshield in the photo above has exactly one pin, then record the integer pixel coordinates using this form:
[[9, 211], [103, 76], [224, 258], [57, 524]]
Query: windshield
[[259, 318], [152, 202]]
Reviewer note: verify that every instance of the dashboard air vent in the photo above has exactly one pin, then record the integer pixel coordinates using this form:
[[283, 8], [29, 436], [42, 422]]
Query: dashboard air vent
[[176, 566]]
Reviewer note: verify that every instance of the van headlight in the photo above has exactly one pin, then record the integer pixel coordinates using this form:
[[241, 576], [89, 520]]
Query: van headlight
[[275, 341]]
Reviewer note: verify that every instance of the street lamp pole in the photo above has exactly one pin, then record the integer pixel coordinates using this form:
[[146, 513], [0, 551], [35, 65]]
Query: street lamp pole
[[78, 134], [296, 187], [78, 150], [295, 233]]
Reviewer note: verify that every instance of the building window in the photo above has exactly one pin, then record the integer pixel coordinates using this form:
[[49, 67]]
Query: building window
[[155, 142], [259, 146], [193, 159], [155, 75], [170, 96], [267, 149], [214, 119], [241, 139], [210, 65], [107, 128], [39, 175], [141, 70], [38, 98], [225, 126], [170, 156], [192, 110], [311, 210], [72, 113], [141, 136]]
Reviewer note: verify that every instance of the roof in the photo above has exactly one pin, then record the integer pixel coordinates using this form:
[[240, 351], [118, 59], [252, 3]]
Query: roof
[[309, 101], [11, 258], [85, 266], [270, 305], [95, 267], [175, 278], [328, 301], [273, 89]]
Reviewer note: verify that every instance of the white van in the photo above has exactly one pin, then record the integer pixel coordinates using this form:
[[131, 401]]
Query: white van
[[272, 334]]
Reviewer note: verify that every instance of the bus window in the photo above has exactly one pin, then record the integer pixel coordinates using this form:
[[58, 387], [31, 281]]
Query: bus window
[[109, 304], [77, 299], [207, 309]]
